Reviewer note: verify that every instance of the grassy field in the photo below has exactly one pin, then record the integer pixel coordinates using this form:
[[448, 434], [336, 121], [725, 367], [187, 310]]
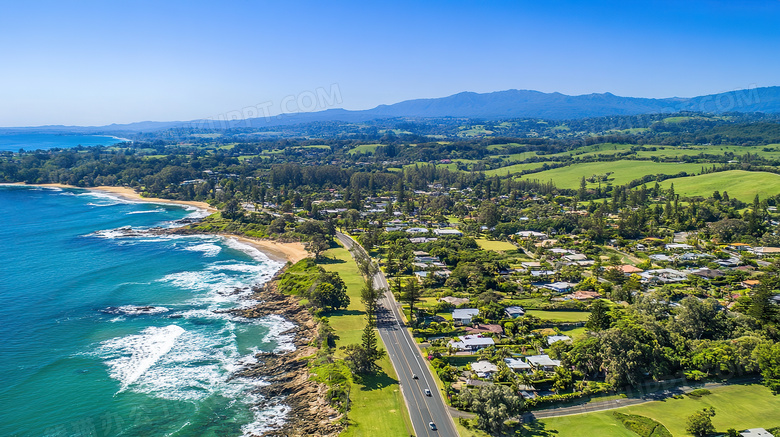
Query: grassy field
[[740, 184], [736, 406], [377, 404], [561, 316], [516, 168], [364, 148], [498, 246], [622, 172]]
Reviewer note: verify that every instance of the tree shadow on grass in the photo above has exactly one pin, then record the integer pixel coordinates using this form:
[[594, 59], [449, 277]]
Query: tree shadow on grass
[[344, 313], [376, 381], [536, 429], [329, 260]]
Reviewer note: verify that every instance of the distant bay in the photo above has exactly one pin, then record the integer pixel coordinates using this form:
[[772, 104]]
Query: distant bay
[[14, 142]]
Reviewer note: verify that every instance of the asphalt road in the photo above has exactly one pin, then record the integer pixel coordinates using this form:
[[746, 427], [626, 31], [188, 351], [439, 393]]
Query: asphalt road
[[407, 361]]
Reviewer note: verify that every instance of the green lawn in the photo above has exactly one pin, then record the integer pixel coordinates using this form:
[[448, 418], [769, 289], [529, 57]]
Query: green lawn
[[736, 406], [364, 148], [740, 184], [560, 316], [377, 406], [498, 246], [516, 168], [622, 172]]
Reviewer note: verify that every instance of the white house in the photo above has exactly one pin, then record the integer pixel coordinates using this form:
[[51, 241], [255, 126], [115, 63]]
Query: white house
[[472, 343], [517, 365], [484, 369], [543, 362], [448, 232], [555, 338], [532, 234], [463, 316]]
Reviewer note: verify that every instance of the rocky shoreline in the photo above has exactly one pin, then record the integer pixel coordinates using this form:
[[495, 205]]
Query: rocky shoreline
[[288, 373]]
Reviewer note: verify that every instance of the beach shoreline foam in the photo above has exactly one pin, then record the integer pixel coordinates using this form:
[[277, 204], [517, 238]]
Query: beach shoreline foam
[[275, 250]]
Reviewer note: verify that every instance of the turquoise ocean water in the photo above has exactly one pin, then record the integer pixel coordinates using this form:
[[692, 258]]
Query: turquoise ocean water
[[107, 330], [14, 142]]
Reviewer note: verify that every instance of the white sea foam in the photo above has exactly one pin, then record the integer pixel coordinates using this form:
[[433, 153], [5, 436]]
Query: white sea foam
[[146, 211], [276, 326], [208, 249], [132, 356], [266, 419]]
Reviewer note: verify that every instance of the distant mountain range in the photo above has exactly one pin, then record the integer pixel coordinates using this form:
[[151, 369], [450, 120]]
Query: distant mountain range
[[488, 106]]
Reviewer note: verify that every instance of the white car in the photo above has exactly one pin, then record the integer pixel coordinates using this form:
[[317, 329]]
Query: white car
[[427, 392]]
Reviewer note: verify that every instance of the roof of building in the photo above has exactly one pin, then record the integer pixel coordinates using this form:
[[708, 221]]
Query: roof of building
[[514, 363], [464, 313], [542, 360], [454, 300], [628, 269], [555, 338], [483, 328], [484, 367]]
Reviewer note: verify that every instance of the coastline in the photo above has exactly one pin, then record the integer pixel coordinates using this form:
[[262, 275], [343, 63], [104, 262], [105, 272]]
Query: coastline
[[288, 373]]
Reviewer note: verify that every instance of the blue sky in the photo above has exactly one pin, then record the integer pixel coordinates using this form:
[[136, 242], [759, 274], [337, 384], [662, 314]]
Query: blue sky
[[94, 63]]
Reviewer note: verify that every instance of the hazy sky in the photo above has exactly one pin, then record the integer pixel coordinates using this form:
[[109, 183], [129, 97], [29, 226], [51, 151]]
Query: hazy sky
[[94, 63]]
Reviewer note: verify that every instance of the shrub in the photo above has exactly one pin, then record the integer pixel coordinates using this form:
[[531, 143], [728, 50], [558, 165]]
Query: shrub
[[644, 426], [699, 392]]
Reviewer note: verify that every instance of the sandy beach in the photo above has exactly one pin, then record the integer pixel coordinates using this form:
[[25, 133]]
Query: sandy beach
[[130, 194], [292, 252]]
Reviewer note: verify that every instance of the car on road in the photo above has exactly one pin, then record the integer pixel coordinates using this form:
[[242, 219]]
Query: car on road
[[432, 425], [414, 376], [427, 392]]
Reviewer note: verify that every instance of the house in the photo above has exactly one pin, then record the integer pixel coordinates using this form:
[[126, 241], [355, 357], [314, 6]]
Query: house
[[583, 295], [664, 276], [472, 343], [738, 246], [555, 338], [749, 283], [559, 287], [514, 312], [661, 257], [707, 273], [755, 432], [484, 369], [417, 231], [678, 246], [628, 269], [532, 235], [764, 251], [543, 362], [517, 365], [448, 232], [463, 316], [731, 262], [575, 257], [454, 300], [482, 328], [420, 240]]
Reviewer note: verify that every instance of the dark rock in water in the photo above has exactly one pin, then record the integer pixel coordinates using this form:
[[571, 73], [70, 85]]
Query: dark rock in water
[[132, 310]]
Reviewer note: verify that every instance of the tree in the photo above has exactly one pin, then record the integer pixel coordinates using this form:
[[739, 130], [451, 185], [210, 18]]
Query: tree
[[371, 345], [760, 307], [599, 318], [700, 423], [317, 245], [325, 295], [698, 319], [357, 359], [493, 405], [411, 295], [768, 358], [488, 214]]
